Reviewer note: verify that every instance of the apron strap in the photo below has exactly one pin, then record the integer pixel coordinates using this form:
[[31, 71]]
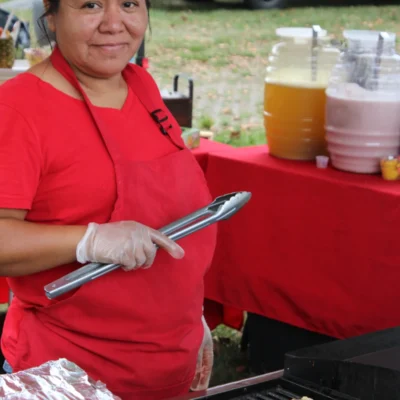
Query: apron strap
[[62, 66], [136, 83], [144, 86], [155, 109]]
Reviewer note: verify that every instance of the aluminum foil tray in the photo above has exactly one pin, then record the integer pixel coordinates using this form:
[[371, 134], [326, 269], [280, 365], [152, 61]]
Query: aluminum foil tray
[[55, 380]]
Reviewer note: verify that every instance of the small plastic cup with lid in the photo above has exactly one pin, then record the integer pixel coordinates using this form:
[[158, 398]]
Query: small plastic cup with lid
[[322, 161]]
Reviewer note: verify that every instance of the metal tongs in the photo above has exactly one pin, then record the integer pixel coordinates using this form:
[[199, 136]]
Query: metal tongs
[[221, 208]]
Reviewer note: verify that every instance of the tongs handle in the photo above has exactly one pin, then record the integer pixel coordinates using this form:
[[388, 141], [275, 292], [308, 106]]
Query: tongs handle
[[221, 208], [95, 270]]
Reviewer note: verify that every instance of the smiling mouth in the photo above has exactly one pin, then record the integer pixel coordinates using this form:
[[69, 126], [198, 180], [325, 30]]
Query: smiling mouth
[[110, 46]]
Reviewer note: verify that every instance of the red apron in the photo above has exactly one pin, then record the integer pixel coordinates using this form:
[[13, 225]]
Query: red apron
[[139, 332]]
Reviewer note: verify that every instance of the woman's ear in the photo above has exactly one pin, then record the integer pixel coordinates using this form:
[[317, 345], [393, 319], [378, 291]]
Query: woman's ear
[[50, 23]]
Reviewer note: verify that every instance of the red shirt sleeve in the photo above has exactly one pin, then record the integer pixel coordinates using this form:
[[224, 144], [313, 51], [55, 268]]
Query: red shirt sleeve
[[20, 160]]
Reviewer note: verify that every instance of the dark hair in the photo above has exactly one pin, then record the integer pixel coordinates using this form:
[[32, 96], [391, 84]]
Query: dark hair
[[54, 5]]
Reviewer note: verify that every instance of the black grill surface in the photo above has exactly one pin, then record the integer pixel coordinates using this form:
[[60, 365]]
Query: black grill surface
[[273, 394], [281, 389]]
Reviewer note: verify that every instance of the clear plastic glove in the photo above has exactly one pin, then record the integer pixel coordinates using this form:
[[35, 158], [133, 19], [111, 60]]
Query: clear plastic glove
[[205, 361], [128, 243]]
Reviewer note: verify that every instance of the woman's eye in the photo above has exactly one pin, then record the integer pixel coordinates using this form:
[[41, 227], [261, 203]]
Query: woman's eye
[[91, 5], [129, 4]]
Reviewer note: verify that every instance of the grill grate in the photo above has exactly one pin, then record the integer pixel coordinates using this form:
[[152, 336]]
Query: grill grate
[[277, 393], [276, 389]]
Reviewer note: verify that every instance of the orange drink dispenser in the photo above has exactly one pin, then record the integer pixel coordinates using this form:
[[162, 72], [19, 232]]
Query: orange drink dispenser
[[298, 72]]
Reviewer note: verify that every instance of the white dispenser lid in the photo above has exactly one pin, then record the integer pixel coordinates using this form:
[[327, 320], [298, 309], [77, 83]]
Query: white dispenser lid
[[367, 36], [298, 33]]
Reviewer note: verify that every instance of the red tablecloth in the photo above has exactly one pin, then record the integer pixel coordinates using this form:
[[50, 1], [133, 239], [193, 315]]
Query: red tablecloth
[[317, 249]]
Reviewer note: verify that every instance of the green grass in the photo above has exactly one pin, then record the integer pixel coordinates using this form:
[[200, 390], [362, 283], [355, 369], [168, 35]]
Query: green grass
[[223, 35], [230, 362], [205, 122], [241, 136], [211, 42]]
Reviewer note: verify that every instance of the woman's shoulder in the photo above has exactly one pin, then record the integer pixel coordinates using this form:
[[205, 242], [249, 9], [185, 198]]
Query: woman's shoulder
[[22, 82], [20, 92]]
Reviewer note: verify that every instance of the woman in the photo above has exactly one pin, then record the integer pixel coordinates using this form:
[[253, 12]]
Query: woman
[[92, 164]]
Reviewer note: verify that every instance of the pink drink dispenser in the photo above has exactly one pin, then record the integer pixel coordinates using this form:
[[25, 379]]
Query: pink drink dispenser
[[363, 103]]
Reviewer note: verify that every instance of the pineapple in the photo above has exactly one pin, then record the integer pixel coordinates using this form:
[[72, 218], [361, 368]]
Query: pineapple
[[7, 51]]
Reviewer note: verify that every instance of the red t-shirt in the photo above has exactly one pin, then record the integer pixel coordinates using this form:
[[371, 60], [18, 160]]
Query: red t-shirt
[[53, 163]]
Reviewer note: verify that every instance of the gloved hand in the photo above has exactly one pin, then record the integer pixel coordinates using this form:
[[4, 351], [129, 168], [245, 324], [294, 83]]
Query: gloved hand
[[128, 243], [205, 361]]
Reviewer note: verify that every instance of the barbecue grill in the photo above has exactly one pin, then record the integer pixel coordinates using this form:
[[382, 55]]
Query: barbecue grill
[[366, 367], [272, 386]]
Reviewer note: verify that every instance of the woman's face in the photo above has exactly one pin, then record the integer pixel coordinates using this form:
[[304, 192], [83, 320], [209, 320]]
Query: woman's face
[[99, 37]]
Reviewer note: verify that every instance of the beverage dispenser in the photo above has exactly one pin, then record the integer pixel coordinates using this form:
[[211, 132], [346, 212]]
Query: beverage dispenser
[[363, 103], [294, 99]]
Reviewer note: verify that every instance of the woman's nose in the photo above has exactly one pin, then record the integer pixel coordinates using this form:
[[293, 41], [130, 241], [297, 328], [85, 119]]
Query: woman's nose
[[112, 20]]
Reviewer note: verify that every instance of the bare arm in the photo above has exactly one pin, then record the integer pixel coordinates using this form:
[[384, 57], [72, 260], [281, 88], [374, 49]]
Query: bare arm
[[27, 248]]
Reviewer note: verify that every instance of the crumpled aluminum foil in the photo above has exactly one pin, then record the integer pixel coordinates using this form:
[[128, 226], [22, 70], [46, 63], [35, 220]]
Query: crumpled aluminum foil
[[55, 380]]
